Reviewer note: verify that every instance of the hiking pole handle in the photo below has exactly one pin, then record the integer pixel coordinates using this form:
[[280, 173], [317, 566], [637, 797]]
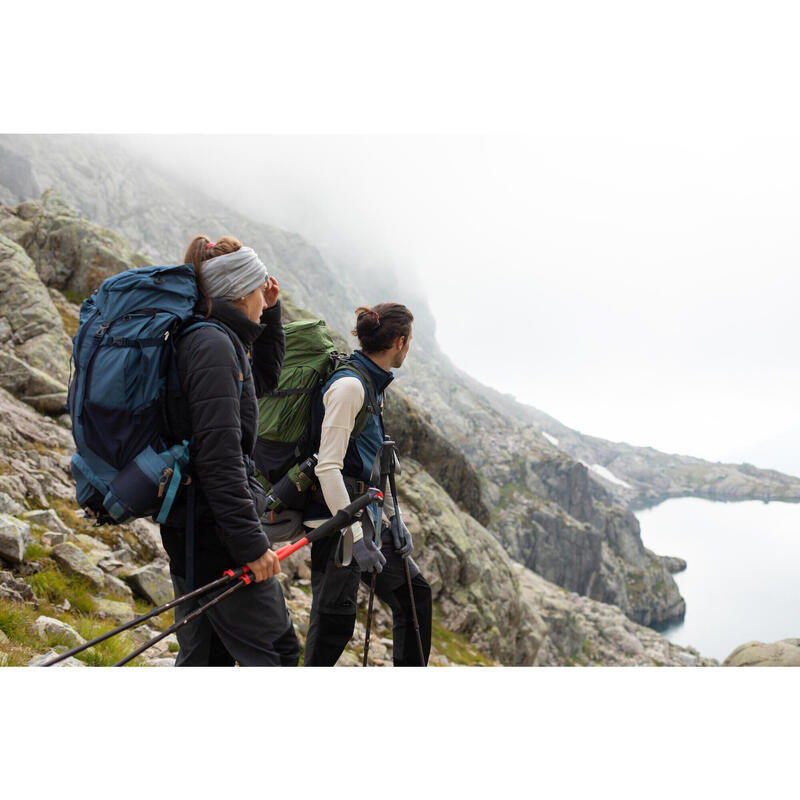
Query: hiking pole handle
[[339, 520], [227, 576]]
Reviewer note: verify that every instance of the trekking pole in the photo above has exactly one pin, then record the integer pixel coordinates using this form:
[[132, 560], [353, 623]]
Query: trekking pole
[[245, 580], [414, 617], [369, 617], [374, 574], [229, 575], [389, 464], [339, 520]]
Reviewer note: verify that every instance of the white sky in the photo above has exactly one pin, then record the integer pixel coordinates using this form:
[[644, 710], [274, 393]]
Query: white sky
[[602, 204]]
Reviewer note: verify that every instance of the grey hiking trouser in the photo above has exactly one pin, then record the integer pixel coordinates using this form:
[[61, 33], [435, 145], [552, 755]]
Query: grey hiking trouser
[[252, 624]]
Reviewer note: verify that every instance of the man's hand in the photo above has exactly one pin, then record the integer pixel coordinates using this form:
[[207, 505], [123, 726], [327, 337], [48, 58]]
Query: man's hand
[[401, 537], [266, 566], [368, 556], [271, 292]]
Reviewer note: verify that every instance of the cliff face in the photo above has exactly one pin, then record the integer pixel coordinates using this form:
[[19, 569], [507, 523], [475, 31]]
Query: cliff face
[[62, 580]]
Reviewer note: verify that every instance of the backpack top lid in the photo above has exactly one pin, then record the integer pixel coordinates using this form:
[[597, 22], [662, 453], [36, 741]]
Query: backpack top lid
[[308, 344], [284, 414], [170, 289]]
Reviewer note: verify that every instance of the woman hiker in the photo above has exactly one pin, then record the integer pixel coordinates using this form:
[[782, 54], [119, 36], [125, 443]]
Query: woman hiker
[[222, 368], [344, 468]]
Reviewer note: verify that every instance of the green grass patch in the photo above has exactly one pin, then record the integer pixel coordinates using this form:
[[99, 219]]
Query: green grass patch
[[107, 653], [36, 551], [50, 585], [55, 587], [16, 622]]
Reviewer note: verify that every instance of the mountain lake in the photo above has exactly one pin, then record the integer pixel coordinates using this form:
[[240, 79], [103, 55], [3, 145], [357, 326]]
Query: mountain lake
[[741, 581]]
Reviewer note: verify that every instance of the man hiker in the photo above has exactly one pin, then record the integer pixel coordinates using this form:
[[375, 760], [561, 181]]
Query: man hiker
[[345, 468]]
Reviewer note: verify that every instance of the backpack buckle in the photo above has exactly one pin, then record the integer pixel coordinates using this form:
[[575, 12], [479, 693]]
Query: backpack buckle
[[165, 478]]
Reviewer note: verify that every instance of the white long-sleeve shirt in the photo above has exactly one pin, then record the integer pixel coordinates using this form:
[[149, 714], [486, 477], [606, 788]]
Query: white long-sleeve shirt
[[342, 402]]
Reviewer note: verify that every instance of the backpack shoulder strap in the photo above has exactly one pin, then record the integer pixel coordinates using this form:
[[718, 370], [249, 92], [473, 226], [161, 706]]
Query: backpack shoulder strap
[[196, 323], [371, 404]]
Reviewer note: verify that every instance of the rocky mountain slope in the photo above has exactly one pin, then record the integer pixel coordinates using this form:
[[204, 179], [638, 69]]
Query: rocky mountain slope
[[557, 501], [63, 580]]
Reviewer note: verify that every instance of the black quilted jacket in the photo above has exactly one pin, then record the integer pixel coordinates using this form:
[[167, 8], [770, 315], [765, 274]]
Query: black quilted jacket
[[218, 412]]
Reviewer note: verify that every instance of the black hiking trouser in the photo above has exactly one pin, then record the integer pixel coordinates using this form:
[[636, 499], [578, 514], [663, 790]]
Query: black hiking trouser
[[251, 627], [334, 601]]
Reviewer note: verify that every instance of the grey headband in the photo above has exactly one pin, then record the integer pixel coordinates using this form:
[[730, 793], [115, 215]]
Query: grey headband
[[233, 275]]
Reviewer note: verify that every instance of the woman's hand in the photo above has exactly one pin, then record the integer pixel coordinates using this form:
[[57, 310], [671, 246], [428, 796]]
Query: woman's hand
[[266, 566], [271, 292]]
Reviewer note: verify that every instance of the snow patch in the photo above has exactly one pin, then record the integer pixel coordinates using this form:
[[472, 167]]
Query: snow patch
[[600, 470], [551, 439]]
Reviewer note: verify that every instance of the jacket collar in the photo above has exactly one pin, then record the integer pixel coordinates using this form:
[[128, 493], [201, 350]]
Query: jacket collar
[[222, 311], [380, 377]]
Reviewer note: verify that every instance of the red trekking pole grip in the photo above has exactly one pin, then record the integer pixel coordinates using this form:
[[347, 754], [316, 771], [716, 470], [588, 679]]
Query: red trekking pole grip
[[291, 548]]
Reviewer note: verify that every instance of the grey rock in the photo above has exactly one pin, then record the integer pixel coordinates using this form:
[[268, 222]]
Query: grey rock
[[113, 609], [14, 588], [784, 653], [3, 637], [109, 564], [673, 564], [92, 542], [39, 344], [148, 537], [12, 538], [46, 518], [53, 630], [74, 560], [10, 506], [68, 662], [151, 582], [69, 252], [164, 661], [117, 587], [52, 538]]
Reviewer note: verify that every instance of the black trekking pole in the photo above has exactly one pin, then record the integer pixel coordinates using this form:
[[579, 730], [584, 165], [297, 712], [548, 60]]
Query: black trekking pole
[[374, 573], [228, 576], [339, 520], [390, 445], [369, 617]]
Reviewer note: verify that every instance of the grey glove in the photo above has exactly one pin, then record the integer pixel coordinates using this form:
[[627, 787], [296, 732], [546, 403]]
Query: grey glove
[[368, 556], [401, 537]]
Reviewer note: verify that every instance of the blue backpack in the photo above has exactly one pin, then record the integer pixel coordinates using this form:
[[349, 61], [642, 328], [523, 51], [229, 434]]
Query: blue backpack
[[123, 354]]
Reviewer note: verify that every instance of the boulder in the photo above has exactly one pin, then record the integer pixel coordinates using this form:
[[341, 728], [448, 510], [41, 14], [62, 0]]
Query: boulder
[[38, 341], [151, 582], [673, 564], [70, 252], [46, 518], [784, 653], [13, 538], [15, 589], [69, 662], [52, 538], [112, 609], [117, 587], [160, 662], [50, 630], [148, 538], [8, 505], [74, 560]]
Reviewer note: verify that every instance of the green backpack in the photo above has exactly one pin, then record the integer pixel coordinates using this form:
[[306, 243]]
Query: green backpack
[[287, 416]]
